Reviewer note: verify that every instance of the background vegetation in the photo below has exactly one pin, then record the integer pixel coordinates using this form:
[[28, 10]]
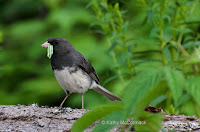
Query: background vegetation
[[145, 51]]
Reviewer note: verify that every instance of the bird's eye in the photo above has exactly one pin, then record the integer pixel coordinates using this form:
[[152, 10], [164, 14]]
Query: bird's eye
[[56, 42]]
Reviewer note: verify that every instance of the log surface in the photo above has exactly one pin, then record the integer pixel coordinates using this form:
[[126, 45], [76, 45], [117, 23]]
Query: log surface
[[33, 118]]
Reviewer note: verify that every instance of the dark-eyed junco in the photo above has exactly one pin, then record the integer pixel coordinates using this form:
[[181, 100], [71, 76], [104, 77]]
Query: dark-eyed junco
[[73, 71]]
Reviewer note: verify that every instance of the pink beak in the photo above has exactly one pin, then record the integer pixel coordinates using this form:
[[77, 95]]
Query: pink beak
[[45, 45]]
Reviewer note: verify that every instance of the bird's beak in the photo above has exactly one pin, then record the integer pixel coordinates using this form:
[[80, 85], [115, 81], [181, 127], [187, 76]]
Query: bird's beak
[[45, 45]]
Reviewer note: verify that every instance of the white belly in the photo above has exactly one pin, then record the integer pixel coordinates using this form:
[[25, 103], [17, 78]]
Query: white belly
[[73, 81]]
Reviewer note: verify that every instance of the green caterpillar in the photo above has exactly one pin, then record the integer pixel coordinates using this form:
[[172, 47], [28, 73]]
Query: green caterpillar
[[49, 51]]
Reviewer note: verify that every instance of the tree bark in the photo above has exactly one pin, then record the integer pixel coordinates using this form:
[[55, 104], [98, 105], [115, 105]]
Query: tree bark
[[33, 118]]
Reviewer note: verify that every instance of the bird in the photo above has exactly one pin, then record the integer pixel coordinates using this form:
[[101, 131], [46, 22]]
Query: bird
[[73, 71]]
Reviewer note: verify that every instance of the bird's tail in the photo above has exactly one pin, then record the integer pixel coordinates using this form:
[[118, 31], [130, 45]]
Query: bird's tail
[[106, 93]]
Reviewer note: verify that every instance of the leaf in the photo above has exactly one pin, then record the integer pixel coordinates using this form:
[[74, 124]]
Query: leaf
[[167, 37], [170, 109], [90, 3], [114, 44], [107, 17], [167, 53], [188, 31], [110, 121], [131, 46], [138, 62], [113, 78], [197, 43], [190, 44], [112, 47], [195, 57], [154, 32], [158, 100], [125, 27], [166, 18], [146, 99], [175, 80], [188, 38], [104, 5], [182, 100], [123, 58], [115, 37], [147, 52], [88, 118], [99, 32], [193, 88], [150, 122], [150, 15], [139, 88]]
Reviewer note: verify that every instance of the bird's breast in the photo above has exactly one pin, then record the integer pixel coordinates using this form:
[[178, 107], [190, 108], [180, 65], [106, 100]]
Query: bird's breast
[[73, 79]]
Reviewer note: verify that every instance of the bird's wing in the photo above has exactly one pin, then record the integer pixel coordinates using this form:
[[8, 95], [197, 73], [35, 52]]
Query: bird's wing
[[85, 65]]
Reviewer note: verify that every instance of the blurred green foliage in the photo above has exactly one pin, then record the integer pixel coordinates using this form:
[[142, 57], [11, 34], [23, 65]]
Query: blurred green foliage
[[146, 51], [26, 75], [155, 50]]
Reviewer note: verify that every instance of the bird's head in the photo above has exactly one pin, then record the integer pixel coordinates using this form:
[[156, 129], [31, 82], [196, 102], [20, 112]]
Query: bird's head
[[57, 45], [55, 42]]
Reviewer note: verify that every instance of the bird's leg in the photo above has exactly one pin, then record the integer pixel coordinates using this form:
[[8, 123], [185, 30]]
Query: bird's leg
[[64, 100], [82, 95]]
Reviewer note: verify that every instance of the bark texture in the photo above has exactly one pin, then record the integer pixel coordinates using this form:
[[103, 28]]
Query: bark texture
[[33, 118]]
